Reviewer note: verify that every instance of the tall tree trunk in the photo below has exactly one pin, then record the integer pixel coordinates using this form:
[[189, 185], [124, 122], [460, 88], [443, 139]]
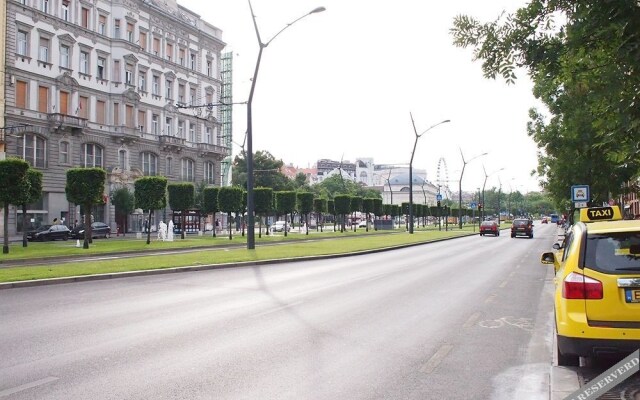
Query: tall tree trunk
[[24, 225], [5, 246], [149, 227]]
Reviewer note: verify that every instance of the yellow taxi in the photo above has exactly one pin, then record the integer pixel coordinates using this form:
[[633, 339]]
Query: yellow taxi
[[597, 286]]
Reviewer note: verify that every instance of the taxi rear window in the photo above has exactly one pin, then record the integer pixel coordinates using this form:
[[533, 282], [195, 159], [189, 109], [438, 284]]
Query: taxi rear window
[[617, 252]]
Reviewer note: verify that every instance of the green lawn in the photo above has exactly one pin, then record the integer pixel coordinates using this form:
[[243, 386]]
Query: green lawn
[[209, 251]]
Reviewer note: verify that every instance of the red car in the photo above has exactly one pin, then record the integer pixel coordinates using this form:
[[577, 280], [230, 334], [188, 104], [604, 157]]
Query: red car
[[489, 227]]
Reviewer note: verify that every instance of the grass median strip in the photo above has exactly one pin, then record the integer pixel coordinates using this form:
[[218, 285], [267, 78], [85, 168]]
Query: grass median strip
[[220, 255]]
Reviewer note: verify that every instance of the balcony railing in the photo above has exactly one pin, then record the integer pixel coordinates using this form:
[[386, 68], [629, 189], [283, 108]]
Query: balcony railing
[[125, 134], [207, 148], [64, 123], [172, 143]]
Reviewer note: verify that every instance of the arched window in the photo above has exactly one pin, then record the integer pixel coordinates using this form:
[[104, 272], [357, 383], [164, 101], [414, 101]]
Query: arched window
[[209, 173], [169, 167], [92, 155], [188, 168], [64, 149], [149, 163], [32, 148], [123, 163]]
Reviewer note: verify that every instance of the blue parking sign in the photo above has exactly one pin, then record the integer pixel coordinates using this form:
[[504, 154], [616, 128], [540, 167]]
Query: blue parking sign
[[438, 197]]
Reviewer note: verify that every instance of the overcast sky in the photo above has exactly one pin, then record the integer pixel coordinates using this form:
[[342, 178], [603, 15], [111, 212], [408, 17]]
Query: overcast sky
[[342, 84]]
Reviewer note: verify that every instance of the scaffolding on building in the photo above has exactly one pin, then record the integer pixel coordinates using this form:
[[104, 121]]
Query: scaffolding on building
[[226, 115]]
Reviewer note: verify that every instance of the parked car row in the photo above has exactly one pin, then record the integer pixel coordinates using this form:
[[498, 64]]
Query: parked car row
[[62, 232]]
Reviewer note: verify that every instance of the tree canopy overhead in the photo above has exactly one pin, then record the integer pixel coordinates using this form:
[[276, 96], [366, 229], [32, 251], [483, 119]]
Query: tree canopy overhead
[[585, 71], [266, 170]]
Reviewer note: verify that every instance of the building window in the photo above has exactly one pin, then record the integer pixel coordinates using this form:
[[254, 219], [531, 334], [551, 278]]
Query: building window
[[142, 120], [128, 116], [84, 19], [84, 62], [209, 173], [209, 67], [44, 50], [102, 25], [83, 107], [192, 96], [43, 99], [116, 29], [192, 132], [143, 40], [168, 125], [44, 6], [64, 152], [92, 154], [65, 56], [169, 52], [128, 75], [116, 71], [65, 11], [168, 85], [22, 45], [208, 135], [32, 149], [101, 107], [122, 159], [187, 170], [21, 94], [181, 93], [130, 29], [181, 129], [63, 102], [181, 57], [169, 167], [102, 65], [155, 85], [142, 81], [154, 124], [149, 163], [116, 113], [156, 46], [192, 58]]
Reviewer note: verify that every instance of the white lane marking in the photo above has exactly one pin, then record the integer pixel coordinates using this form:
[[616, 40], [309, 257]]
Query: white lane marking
[[26, 386], [504, 283], [472, 320], [490, 298], [436, 359]]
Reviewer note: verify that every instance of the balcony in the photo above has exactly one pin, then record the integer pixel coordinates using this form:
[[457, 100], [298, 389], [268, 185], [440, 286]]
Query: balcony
[[125, 135], [206, 149], [171, 143], [62, 123]]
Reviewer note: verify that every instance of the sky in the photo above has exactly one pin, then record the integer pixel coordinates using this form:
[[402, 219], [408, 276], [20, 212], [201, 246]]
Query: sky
[[343, 84]]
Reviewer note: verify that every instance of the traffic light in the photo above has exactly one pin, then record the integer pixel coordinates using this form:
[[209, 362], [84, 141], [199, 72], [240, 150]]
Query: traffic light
[[438, 203], [479, 207]]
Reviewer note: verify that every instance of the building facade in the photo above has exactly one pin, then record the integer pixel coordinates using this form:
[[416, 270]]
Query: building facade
[[131, 86]]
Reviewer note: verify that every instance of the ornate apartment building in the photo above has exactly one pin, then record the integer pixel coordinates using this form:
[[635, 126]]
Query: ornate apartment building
[[132, 86]]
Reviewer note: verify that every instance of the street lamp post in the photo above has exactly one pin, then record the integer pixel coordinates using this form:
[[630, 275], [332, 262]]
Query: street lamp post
[[464, 164], [251, 243], [413, 152], [486, 176]]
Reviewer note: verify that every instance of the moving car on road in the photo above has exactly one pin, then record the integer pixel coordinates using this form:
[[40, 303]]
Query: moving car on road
[[279, 226], [522, 227], [98, 230], [490, 228], [597, 295], [49, 232]]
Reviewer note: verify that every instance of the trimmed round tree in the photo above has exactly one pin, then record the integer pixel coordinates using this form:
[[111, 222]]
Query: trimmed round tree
[[305, 206], [263, 199], [285, 204], [14, 185], [150, 193], [181, 198], [356, 206], [342, 204], [367, 208], [331, 209], [230, 201], [31, 195], [319, 207], [210, 204], [378, 211], [85, 186], [124, 202]]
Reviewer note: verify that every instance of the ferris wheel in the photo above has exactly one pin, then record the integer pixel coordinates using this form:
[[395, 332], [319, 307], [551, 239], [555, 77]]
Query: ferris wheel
[[443, 178]]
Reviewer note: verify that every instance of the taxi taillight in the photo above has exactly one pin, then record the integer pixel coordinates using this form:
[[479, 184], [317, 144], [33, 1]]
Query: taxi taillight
[[578, 286]]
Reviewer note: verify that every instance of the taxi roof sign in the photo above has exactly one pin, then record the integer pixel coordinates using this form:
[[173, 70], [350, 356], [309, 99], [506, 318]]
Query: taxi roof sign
[[600, 214]]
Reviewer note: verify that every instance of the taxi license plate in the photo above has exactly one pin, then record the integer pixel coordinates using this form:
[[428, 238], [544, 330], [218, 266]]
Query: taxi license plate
[[632, 295]]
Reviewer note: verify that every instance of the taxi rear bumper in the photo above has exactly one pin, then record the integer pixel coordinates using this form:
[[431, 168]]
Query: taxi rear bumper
[[584, 347]]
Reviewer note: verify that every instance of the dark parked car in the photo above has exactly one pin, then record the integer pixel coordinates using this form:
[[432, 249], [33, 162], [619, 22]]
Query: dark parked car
[[98, 230], [49, 232], [522, 227], [489, 227]]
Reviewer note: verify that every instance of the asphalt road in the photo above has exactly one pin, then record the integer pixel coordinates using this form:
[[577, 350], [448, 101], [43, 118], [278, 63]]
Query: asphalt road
[[468, 318]]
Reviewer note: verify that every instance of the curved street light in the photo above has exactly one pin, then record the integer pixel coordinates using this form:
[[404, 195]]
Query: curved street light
[[486, 176], [464, 164], [413, 152], [251, 242]]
